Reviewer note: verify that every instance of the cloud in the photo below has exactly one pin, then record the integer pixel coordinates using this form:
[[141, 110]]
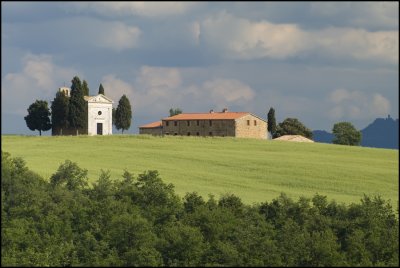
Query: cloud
[[115, 88], [162, 84], [76, 33], [40, 78], [159, 77], [239, 38], [113, 35], [227, 91], [360, 44], [346, 104], [118, 36], [145, 9], [359, 14], [380, 105], [243, 39], [195, 30], [157, 89]]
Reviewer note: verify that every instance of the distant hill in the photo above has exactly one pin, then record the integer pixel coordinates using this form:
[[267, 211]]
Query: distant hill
[[322, 136], [382, 133]]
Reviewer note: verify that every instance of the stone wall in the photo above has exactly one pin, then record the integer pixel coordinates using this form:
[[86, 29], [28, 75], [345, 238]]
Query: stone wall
[[250, 126], [203, 128], [151, 131]]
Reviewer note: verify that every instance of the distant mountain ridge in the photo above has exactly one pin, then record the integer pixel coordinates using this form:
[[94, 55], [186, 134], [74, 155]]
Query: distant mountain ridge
[[382, 133], [322, 136]]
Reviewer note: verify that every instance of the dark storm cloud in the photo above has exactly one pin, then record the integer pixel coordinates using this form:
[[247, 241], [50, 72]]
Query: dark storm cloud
[[316, 61]]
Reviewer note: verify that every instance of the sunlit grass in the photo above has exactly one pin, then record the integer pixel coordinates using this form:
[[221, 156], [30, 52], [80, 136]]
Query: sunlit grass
[[255, 170]]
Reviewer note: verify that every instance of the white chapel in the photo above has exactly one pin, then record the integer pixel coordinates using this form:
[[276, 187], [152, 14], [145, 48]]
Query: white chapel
[[99, 109], [99, 115]]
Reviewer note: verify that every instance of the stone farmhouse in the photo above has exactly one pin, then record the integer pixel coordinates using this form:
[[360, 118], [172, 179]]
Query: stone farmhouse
[[99, 109], [223, 124]]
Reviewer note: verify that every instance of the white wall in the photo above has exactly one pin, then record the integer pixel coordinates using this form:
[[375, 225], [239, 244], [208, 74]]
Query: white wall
[[105, 118]]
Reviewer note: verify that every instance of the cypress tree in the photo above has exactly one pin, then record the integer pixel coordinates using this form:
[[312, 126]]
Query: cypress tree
[[77, 106], [113, 115], [272, 122], [59, 111], [85, 88], [101, 89], [123, 114]]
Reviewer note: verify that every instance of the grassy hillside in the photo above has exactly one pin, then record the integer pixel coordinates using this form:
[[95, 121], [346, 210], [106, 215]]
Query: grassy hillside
[[255, 170]]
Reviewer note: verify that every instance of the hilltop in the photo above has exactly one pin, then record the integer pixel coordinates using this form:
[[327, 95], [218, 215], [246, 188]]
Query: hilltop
[[255, 170]]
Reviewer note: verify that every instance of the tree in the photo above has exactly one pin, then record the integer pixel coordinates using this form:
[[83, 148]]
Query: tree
[[272, 122], [38, 116], [346, 134], [77, 115], [70, 175], [101, 89], [85, 88], [59, 111], [113, 115], [292, 126], [123, 114], [175, 111]]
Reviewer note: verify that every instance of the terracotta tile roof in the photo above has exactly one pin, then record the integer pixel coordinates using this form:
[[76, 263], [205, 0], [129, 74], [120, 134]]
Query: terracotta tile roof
[[207, 116], [152, 125], [297, 138]]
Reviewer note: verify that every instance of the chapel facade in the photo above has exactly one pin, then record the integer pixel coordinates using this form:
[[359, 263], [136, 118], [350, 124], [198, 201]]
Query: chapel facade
[[99, 117]]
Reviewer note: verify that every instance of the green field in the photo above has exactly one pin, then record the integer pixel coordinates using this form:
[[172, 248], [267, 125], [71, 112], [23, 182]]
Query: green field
[[255, 170]]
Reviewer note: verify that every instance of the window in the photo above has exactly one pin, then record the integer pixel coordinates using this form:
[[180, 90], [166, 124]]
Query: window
[[175, 134], [197, 133], [248, 122], [175, 123], [188, 133], [188, 123], [210, 133], [198, 122], [99, 113], [210, 122], [255, 122], [166, 133], [167, 122]]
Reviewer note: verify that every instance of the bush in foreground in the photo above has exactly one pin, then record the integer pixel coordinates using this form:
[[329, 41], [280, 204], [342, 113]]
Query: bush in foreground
[[140, 221]]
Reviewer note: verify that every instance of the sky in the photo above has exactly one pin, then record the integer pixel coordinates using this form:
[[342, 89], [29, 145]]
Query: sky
[[319, 62]]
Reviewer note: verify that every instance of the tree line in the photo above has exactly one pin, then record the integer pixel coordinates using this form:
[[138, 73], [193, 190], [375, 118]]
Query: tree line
[[71, 112], [345, 133], [141, 221]]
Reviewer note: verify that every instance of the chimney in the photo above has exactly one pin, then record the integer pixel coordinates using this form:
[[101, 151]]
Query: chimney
[[211, 111], [224, 110]]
